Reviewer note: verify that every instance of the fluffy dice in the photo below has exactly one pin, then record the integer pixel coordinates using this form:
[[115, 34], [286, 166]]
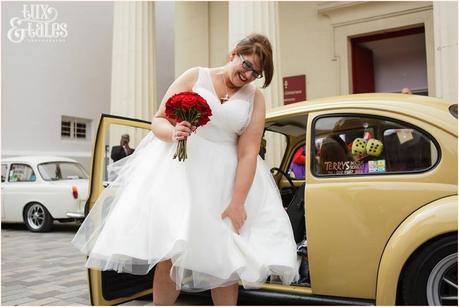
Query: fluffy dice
[[359, 147], [374, 147]]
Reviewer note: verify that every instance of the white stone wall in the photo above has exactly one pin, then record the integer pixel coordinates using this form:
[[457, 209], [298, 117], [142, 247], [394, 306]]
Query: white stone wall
[[306, 42], [445, 29], [165, 62], [191, 35], [218, 33], [41, 81]]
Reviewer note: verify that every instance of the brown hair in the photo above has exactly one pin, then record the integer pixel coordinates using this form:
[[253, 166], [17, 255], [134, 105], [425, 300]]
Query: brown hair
[[259, 45]]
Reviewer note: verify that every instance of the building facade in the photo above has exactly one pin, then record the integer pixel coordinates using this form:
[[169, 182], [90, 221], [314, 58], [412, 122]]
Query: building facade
[[120, 58]]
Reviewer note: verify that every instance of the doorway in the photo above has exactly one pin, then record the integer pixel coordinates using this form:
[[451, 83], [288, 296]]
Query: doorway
[[389, 61]]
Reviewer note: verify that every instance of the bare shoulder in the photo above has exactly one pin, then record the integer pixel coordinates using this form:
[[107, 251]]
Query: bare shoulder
[[184, 83], [259, 94], [259, 101], [189, 77]]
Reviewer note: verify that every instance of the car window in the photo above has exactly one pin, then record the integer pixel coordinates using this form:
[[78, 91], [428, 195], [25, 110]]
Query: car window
[[72, 171], [52, 171], [453, 110], [296, 168], [4, 170], [21, 173], [348, 145]]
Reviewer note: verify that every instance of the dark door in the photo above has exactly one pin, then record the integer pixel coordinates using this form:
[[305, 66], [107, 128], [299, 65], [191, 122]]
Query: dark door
[[363, 78]]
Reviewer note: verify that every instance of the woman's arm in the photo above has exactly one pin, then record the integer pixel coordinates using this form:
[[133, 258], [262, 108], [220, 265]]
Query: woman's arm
[[248, 148], [161, 126]]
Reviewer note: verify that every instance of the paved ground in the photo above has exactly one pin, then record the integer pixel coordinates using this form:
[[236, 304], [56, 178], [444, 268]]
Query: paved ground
[[44, 269]]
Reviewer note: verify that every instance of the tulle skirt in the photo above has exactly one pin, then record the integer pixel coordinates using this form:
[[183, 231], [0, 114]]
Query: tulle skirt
[[157, 208]]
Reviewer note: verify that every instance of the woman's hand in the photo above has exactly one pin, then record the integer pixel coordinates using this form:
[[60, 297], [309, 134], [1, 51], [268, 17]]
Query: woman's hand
[[182, 131], [236, 213]]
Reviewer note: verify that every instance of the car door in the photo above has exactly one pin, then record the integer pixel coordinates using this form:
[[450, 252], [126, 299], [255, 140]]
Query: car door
[[20, 180], [354, 203], [109, 287]]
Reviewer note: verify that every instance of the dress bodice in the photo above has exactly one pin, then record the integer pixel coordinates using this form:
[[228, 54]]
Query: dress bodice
[[229, 119]]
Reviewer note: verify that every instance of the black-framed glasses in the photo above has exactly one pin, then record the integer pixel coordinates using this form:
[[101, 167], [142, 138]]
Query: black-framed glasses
[[249, 67]]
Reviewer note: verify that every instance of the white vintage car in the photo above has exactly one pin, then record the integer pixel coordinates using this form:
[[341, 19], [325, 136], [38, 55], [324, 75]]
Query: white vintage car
[[37, 190]]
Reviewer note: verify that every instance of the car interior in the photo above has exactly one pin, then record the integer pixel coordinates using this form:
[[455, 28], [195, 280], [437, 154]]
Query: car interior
[[291, 186], [21, 173]]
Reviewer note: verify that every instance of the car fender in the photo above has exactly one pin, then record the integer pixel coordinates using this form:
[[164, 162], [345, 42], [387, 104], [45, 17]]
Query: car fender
[[434, 219], [32, 202], [57, 199]]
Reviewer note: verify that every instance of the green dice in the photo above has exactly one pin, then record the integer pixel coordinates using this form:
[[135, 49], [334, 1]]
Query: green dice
[[359, 147], [374, 147]]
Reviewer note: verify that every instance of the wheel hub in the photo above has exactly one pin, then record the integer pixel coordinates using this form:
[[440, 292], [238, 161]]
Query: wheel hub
[[442, 282], [35, 216]]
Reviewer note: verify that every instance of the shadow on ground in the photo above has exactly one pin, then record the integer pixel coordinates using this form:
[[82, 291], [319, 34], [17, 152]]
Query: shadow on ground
[[58, 227]]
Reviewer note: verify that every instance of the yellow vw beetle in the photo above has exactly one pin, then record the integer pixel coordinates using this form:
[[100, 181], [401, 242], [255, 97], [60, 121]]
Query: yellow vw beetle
[[377, 174]]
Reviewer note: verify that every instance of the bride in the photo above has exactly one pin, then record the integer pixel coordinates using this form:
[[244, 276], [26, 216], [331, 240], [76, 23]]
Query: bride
[[212, 221]]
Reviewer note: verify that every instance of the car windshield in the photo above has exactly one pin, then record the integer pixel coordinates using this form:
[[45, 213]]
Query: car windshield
[[53, 171]]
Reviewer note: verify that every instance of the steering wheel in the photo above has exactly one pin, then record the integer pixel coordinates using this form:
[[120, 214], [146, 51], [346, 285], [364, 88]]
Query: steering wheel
[[276, 169]]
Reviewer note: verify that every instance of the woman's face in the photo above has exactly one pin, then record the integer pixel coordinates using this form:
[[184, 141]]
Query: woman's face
[[242, 73]]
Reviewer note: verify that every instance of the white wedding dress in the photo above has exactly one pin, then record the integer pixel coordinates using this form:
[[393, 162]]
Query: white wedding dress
[[158, 208]]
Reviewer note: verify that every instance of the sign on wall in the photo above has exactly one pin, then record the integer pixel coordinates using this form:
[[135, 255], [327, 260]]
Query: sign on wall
[[294, 89]]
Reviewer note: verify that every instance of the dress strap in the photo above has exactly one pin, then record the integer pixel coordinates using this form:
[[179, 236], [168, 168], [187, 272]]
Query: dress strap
[[201, 78], [250, 97]]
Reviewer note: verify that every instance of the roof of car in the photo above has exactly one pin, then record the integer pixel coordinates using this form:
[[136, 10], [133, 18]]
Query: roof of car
[[37, 159], [423, 107]]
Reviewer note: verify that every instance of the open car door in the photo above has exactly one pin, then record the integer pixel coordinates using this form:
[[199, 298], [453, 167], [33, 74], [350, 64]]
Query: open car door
[[110, 287]]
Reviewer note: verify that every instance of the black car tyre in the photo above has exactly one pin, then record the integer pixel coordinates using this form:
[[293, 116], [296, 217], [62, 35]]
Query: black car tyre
[[430, 277], [37, 218]]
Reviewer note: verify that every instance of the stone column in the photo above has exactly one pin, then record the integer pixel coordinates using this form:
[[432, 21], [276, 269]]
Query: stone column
[[191, 35], [133, 68], [445, 40], [261, 16]]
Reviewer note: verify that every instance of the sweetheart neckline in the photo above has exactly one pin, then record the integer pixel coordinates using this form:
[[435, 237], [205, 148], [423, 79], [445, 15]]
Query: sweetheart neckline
[[216, 97]]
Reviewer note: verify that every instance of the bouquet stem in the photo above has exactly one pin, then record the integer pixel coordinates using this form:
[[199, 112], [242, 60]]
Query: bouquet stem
[[180, 153]]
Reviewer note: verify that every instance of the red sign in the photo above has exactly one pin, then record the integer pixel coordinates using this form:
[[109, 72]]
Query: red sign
[[294, 89]]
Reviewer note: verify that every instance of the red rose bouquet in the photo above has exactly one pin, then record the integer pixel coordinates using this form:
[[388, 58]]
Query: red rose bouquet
[[190, 107]]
